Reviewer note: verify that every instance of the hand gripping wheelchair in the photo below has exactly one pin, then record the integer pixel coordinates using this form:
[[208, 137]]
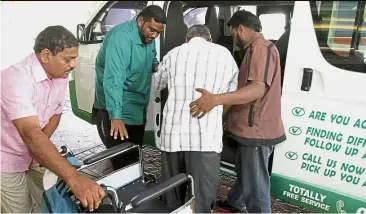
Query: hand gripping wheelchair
[[126, 190]]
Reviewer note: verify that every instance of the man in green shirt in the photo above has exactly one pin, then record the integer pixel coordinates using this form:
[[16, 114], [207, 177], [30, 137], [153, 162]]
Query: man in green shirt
[[124, 66]]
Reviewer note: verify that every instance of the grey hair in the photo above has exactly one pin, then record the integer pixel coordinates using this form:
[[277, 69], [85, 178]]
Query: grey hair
[[199, 31]]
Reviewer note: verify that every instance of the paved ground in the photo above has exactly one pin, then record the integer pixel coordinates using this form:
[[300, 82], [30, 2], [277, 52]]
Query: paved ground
[[82, 138]]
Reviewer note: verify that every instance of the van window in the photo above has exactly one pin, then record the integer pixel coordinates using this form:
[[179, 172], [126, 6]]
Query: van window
[[273, 25], [340, 29], [196, 16], [116, 13], [252, 9], [362, 42], [117, 16]]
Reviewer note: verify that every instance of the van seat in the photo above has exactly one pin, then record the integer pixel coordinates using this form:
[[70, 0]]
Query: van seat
[[282, 46], [212, 23], [227, 42], [176, 29]]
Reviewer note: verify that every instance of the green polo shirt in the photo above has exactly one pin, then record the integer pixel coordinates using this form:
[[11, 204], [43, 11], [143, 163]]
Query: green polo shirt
[[123, 74]]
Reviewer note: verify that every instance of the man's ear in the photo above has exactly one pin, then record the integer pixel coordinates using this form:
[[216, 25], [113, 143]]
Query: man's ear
[[45, 55], [140, 21], [187, 40], [241, 29]]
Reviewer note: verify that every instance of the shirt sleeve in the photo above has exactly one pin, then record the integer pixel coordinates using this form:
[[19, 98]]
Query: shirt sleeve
[[161, 76], [262, 65], [17, 94], [232, 69], [117, 60]]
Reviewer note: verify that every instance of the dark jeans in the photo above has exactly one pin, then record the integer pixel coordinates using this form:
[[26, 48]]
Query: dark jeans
[[204, 167], [252, 186], [135, 134]]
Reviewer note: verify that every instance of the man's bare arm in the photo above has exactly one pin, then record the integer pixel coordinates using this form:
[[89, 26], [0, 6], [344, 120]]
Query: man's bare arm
[[244, 95], [155, 69], [255, 90], [43, 149], [52, 125], [85, 189]]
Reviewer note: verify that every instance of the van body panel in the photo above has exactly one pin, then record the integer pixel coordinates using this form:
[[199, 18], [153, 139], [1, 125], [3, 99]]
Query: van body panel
[[312, 168]]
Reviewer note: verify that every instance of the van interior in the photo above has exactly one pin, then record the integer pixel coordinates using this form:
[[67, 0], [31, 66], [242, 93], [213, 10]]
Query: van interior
[[275, 17]]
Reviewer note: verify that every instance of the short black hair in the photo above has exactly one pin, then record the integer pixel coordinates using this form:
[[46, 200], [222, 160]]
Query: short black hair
[[56, 39], [153, 12], [246, 19]]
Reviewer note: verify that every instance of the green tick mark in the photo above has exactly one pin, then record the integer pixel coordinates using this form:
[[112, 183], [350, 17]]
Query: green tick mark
[[291, 155], [298, 111], [294, 130]]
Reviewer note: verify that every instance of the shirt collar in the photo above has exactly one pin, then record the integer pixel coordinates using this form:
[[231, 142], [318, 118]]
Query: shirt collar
[[197, 39], [255, 37], [135, 32], [38, 72]]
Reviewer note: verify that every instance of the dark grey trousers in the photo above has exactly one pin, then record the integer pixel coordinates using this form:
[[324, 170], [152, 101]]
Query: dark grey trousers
[[204, 167]]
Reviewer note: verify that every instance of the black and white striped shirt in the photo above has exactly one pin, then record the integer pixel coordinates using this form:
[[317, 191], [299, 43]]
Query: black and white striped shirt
[[197, 64]]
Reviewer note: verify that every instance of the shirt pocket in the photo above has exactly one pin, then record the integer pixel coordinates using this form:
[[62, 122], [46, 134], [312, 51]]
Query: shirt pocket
[[57, 107], [51, 110], [138, 63]]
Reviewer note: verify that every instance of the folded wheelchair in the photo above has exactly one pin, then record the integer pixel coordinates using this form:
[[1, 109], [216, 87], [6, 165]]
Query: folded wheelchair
[[126, 190]]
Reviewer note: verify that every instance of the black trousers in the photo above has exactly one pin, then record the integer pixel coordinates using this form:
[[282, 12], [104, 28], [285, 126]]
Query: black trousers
[[204, 167], [135, 134]]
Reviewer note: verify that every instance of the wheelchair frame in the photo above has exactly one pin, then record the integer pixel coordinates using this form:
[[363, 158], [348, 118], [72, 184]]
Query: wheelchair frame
[[131, 175]]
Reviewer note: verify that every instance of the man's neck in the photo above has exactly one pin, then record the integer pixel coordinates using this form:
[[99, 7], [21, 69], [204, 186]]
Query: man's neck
[[43, 66]]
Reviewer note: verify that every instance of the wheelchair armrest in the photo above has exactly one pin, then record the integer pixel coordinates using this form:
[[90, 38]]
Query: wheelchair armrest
[[109, 153], [159, 189]]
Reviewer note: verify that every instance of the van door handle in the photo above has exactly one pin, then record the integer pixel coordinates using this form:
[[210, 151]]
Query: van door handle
[[157, 119], [307, 78]]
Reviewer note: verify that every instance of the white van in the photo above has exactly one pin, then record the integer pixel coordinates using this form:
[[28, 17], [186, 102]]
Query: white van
[[322, 44]]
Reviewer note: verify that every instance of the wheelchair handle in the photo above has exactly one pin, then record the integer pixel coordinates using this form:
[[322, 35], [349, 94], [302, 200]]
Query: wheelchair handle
[[64, 150], [111, 152], [162, 188], [106, 190]]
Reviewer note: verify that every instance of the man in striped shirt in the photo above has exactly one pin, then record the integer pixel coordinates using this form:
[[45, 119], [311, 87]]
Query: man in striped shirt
[[255, 121], [191, 145]]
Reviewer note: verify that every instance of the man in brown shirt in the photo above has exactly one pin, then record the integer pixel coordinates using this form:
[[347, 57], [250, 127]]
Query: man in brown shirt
[[255, 121]]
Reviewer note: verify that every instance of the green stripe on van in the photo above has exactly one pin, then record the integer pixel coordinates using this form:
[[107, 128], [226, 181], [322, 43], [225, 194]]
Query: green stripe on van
[[314, 198], [84, 115]]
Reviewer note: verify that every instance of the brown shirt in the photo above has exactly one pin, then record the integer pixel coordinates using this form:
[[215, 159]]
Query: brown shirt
[[259, 123]]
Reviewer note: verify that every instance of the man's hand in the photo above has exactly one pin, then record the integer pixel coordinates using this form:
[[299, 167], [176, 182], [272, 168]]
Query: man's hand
[[155, 68], [87, 191], [255, 90], [204, 104], [224, 125], [117, 126]]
